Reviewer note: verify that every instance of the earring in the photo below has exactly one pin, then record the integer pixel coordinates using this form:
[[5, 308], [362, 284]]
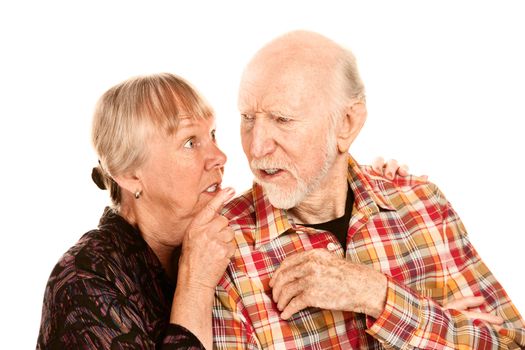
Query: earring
[[137, 194]]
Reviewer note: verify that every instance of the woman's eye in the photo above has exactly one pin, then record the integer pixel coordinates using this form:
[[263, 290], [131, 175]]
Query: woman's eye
[[189, 144]]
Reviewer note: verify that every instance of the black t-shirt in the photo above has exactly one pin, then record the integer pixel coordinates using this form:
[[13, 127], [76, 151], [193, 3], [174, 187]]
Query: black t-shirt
[[339, 226]]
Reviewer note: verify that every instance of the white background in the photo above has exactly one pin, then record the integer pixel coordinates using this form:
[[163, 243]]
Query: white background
[[445, 84]]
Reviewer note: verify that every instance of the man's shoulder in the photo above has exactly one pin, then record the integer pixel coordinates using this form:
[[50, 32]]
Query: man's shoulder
[[411, 187], [241, 207], [399, 181]]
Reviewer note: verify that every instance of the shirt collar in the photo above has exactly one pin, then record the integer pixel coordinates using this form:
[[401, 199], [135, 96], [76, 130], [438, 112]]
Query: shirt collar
[[272, 222], [368, 190]]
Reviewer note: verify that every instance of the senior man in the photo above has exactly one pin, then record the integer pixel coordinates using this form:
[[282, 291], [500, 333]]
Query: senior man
[[330, 257]]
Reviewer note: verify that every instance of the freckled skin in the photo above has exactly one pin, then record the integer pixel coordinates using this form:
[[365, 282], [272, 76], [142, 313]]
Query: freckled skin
[[322, 279]]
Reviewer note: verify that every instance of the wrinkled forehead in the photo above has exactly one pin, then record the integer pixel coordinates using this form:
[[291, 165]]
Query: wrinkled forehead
[[285, 88]]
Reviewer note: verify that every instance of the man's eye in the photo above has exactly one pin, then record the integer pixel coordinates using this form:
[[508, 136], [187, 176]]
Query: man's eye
[[213, 136], [190, 143], [247, 117], [283, 119]]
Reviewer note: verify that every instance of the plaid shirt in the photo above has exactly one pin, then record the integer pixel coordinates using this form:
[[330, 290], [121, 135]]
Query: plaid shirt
[[404, 228]]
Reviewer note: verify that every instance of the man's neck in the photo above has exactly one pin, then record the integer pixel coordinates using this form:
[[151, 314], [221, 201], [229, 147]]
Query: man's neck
[[328, 201]]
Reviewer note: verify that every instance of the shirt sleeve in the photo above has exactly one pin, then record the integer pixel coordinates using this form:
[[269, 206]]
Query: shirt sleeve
[[231, 328], [178, 337], [90, 314], [410, 320]]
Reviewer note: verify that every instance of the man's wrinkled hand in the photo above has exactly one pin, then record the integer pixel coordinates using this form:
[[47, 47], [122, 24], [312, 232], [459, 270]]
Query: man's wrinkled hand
[[318, 278]]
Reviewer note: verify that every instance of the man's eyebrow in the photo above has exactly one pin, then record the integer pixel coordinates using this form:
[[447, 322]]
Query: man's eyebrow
[[281, 114]]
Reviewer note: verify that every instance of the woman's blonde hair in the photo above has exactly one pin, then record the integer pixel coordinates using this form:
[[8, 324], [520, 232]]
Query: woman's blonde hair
[[128, 114]]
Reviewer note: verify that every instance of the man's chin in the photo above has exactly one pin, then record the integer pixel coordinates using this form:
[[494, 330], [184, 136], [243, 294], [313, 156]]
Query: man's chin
[[281, 198], [279, 203]]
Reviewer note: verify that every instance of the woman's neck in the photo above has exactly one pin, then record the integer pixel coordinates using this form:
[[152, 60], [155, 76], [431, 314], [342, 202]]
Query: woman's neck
[[161, 239]]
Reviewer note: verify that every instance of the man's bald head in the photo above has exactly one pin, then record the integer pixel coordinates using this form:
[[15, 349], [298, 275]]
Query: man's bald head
[[302, 55]]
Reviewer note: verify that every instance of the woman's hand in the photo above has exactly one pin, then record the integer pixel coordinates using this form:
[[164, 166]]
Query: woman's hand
[[469, 306], [391, 168], [207, 245], [206, 250]]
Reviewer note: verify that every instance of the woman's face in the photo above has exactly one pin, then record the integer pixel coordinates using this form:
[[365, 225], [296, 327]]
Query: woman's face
[[182, 174]]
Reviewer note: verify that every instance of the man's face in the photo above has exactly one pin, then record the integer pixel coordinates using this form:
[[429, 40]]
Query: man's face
[[286, 134]]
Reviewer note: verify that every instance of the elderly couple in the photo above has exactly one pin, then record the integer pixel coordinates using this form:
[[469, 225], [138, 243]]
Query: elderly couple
[[320, 254]]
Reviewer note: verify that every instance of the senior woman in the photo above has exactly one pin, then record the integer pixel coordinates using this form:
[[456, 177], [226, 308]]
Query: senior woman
[[155, 139]]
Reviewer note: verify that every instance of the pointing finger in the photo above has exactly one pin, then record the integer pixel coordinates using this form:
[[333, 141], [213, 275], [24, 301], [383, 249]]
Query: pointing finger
[[214, 206]]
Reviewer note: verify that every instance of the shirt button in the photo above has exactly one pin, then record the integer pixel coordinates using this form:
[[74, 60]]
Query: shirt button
[[331, 246]]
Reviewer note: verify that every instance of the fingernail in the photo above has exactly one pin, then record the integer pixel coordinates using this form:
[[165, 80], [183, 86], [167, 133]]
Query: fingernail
[[228, 192]]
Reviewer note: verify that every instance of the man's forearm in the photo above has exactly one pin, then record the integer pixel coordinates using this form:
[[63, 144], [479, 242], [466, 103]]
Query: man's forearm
[[409, 318]]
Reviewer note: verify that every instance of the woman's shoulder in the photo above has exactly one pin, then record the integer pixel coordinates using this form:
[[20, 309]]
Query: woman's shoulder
[[88, 278], [93, 256], [109, 247], [112, 254]]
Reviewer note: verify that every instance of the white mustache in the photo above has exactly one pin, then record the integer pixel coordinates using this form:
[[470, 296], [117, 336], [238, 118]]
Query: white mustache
[[268, 163]]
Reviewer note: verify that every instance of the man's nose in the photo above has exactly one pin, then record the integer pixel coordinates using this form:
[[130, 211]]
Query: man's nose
[[263, 141]]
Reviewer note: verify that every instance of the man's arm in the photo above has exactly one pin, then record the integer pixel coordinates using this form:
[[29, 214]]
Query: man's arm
[[324, 280], [431, 324]]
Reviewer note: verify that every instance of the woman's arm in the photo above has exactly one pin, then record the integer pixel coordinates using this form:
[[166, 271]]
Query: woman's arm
[[206, 251]]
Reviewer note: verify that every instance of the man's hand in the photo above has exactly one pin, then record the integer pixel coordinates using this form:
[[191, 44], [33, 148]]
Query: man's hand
[[321, 279], [467, 303]]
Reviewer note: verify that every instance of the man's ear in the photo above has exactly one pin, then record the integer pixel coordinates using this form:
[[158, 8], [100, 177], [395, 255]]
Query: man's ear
[[129, 181], [351, 125]]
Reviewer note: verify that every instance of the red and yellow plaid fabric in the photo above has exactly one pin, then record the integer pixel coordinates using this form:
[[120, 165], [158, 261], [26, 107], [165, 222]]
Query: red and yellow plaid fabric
[[404, 228]]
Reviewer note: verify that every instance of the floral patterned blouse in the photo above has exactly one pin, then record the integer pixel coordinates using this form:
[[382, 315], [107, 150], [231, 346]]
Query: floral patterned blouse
[[109, 291]]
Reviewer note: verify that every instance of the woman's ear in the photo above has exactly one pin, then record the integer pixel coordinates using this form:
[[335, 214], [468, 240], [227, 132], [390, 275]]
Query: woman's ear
[[353, 121], [129, 181]]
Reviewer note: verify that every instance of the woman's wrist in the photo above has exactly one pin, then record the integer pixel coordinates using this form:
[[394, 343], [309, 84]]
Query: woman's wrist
[[192, 309], [194, 296]]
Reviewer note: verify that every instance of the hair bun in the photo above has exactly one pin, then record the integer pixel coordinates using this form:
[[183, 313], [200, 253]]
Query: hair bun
[[98, 178]]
